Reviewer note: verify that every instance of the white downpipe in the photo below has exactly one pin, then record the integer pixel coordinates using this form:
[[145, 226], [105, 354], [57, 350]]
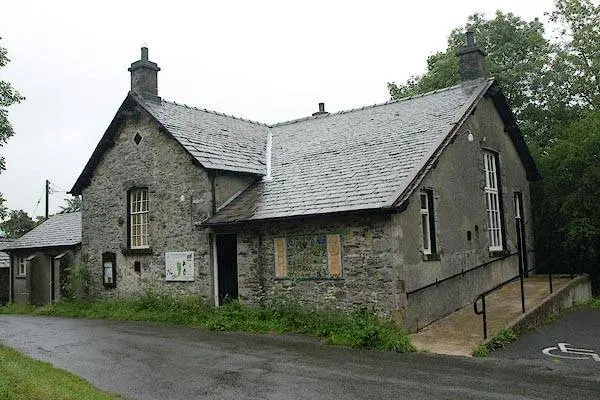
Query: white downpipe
[[216, 270]]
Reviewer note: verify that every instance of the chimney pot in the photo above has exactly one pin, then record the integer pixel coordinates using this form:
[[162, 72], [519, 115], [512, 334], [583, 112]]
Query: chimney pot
[[144, 77], [470, 37], [472, 59], [321, 110]]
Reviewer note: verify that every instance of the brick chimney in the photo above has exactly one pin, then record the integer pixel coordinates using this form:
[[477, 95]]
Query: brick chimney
[[144, 80], [321, 110], [472, 59]]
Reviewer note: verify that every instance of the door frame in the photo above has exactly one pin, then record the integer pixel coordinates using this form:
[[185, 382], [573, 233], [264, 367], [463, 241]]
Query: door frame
[[217, 278], [215, 270], [520, 231]]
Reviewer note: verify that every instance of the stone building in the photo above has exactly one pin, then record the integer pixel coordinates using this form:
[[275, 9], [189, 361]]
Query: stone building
[[368, 207], [38, 259]]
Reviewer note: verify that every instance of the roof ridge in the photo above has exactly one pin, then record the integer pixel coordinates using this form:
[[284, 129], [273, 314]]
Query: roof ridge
[[293, 121], [216, 113], [314, 117]]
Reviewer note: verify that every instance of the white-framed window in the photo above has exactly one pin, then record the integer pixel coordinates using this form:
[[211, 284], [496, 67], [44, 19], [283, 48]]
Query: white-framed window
[[427, 222], [21, 266], [138, 218], [492, 201]]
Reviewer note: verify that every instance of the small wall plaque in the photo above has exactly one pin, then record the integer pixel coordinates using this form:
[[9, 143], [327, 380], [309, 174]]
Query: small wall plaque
[[179, 266]]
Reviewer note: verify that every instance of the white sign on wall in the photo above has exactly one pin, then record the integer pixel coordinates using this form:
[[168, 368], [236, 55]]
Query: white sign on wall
[[179, 266]]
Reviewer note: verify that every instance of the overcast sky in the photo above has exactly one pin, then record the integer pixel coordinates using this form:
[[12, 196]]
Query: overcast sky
[[268, 61]]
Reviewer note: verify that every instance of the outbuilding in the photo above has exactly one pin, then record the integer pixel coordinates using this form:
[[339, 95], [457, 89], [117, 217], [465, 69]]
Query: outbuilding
[[38, 259]]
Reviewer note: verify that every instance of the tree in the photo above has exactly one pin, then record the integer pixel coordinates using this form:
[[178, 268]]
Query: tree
[[579, 57], [554, 88], [567, 216], [18, 224], [8, 97], [518, 56], [73, 204]]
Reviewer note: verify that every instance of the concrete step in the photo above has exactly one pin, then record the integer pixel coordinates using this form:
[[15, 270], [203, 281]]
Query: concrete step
[[462, 331]]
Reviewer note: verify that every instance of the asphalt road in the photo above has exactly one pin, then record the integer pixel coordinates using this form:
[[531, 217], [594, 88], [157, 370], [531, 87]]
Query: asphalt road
[[579, 328], [150, 361]]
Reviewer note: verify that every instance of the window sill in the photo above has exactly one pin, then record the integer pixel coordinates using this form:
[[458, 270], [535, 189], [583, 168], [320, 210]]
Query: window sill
[[498, 253], [137, 252], [309, 279], [20, 276], [431, 257]]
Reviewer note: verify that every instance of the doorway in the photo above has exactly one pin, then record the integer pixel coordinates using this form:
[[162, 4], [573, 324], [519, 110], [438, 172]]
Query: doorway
[[521, 236], [227, 271], [39, 270]]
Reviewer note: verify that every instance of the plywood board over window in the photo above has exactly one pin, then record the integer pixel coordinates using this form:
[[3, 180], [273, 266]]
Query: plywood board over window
[[280, 258], [334, 256], [308, 257]]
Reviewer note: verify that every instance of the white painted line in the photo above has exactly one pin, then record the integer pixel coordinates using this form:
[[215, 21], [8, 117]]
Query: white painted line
[[575, 354]]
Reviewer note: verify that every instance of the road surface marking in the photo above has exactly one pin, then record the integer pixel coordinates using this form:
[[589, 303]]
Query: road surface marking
[[571, 353]]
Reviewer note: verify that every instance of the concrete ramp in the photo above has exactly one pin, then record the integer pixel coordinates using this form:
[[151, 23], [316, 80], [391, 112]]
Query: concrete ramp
[[462, 331]]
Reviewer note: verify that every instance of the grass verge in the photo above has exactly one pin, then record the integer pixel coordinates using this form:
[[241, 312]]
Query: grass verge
[[359, 329], [22, 378], [594, 302], [503, 338]]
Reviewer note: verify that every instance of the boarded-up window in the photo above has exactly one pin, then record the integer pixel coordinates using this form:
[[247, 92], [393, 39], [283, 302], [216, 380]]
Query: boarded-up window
[[334, 256], [280, 258], [308, 256]]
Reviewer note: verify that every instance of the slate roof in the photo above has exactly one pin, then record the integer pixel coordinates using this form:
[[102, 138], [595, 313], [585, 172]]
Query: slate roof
[[352, 160], [58, 230], [367, 158], [216, 140]]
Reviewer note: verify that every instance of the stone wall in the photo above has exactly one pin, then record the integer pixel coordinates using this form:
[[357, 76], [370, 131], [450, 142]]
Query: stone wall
[[180, 194], [368, 279]]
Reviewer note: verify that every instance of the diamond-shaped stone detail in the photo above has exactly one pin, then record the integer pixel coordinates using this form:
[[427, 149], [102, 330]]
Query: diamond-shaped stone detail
[[137, 138]]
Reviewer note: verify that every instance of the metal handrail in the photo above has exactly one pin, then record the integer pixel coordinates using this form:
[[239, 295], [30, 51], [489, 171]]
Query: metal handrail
[[461, 273], [482, 296]]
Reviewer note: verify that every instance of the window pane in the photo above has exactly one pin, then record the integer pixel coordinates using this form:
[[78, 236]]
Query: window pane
[[492, 202], [423, 201], [139, 218], [425, 225]]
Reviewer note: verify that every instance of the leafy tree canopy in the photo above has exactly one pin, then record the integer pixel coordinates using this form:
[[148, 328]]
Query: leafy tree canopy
[[548, 84], [72, 204], [8, 96], [18, 224], [567, 216]]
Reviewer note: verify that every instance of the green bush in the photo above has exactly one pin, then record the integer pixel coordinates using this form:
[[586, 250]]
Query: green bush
[[358, 328], [77, 281]]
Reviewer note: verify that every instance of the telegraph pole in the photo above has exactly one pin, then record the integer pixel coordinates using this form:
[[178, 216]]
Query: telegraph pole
[[47, 196]]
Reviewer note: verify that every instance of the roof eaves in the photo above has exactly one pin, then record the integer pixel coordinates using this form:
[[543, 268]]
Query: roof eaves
[[212, 223], [36, 248]]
